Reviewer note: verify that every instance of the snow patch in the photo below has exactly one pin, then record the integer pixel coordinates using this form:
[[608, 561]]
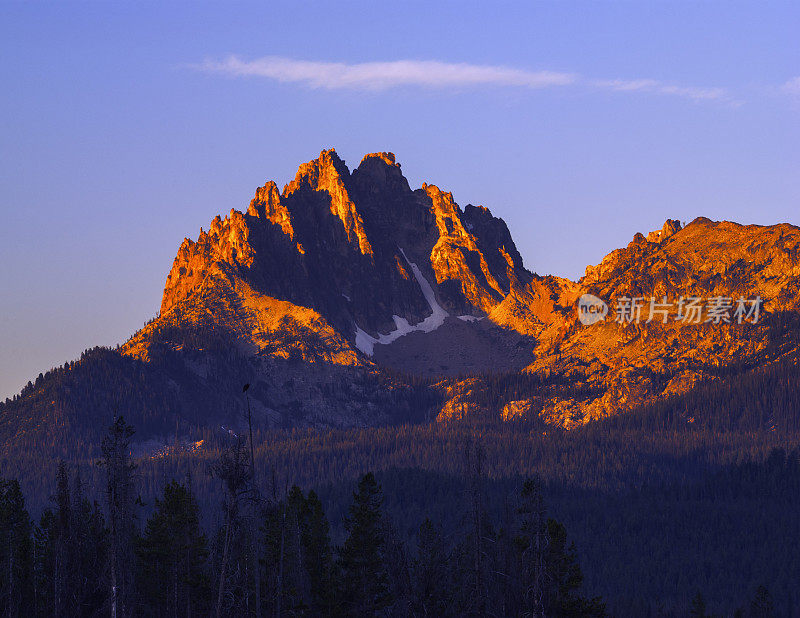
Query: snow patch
[[469, 318], [438, 314], [366, 342]]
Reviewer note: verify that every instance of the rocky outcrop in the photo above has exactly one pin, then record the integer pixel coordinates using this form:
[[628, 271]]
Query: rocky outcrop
[[301, 276], [327, 175], [633, 362], [314, 293], [341, 257], [342, 244]]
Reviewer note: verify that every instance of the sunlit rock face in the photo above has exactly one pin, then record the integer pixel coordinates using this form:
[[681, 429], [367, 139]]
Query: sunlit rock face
[[631, 363], [356, 271], [326, 270], [351, 299], [342, 244], [356, 268]]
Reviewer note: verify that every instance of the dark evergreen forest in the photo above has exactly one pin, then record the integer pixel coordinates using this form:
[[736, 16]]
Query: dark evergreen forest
[[689, 504]]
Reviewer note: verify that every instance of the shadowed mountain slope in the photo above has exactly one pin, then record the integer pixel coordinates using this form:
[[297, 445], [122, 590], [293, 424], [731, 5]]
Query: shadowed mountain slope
[[336, 295]]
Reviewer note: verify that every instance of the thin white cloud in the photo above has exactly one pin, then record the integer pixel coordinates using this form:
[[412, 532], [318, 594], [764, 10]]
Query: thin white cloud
[[657, 87], [792, 86], [385, 75], [378, 76]]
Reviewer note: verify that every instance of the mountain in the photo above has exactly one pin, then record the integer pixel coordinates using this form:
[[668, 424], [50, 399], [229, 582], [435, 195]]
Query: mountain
[[349, 299], [633, 361]]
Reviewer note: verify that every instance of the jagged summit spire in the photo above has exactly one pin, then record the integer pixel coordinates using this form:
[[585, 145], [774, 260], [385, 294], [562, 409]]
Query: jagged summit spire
[[328, 173], [327, 165], [386, 157], [332, 240]]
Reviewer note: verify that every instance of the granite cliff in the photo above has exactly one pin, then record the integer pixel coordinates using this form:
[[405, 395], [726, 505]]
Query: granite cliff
[[336, 296]]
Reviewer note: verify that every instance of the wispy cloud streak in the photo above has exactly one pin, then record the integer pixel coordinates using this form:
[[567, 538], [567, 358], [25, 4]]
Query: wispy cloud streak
[[657, 87], [380, 76], [792, 86], [385, 75]]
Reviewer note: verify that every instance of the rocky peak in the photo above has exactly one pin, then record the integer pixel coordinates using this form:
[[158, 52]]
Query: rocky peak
[[379, 170], [296, 277], [386, 157], [389, 208], [469, 257], [321, 174], [329, 174], [670, 227], [267, 205], [705, 258], [446, 211], [347, 246], [493, 237]]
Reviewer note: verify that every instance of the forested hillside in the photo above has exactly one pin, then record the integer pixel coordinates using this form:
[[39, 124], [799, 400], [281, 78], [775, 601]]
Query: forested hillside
[[407, 542], [350, 332], [695, 494]]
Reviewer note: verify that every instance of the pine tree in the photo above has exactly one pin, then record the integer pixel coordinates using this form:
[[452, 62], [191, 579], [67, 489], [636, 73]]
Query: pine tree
[[564, 577], [172, 555], [91, 550], [365, 585], [318, 560], [480, 536], [398, 568], [16, 552], [288, 585], [56, 554], [44, 543], [533, 542], [431, 573], [120, 493], [64, 567], [299, 560], [761, 606], [698, 607]]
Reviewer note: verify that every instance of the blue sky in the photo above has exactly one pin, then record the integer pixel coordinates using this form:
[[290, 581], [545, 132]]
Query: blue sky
[[126, 127]]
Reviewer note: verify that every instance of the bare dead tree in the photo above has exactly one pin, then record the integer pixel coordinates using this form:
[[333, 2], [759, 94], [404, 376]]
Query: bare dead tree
[[234, 470], [255, 502], [475, 474], [534, 530], [120, 495]]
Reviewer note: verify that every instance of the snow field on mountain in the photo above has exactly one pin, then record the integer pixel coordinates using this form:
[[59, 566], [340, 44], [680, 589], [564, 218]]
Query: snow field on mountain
[[366, 343]]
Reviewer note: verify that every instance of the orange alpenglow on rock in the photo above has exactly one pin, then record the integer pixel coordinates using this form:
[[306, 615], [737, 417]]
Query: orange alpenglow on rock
[[356, 270]]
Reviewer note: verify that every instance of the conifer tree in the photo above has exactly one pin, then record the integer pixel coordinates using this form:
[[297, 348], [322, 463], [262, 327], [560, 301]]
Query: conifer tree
[[698, 607], [70, 554], [56, 554], [398, 568], [364, 577], [120, 493], [90, 539], [761, 606], [533, 542], [564, 577], [16, 552], [319, 556], [431, 573], [44, 544], [172, 555]]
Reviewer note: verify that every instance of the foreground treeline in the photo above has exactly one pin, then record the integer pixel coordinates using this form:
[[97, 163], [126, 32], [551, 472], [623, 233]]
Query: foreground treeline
[[646, 551], [271, 555]]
